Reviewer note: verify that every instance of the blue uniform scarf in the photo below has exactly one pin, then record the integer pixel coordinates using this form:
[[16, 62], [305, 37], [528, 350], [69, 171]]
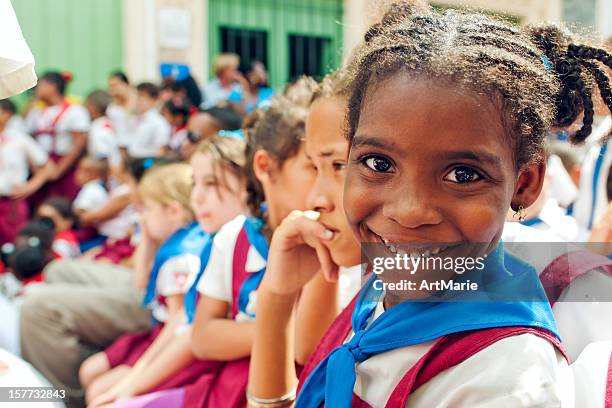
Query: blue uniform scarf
[[256, 238], [186, 240], [410, 323], [191, 298]]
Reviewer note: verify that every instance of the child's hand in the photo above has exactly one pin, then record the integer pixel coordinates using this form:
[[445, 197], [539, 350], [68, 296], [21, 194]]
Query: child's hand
[[297, 253], [118, 391], [23, 191]]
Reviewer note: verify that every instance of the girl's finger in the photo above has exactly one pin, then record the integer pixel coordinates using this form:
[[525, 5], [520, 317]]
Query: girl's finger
[[328, 267]]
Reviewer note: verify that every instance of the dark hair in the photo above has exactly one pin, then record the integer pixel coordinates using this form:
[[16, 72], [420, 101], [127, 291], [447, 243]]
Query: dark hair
[[32, 250], [7, 105], [178, 106], [43, 229], [137, 167], [225, 117], [148, 88], [279, 130], [120, 75], [100, 100], [537, 81], [191, 88], [59, 79], [63, 206]]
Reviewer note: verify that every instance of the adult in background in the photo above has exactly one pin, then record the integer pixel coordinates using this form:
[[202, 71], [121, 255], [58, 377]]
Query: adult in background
[[226, 81], [256, 93]]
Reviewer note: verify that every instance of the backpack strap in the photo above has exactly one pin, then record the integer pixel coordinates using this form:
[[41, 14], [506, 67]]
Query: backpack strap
[[451, 350], [239, 273], [564, 269], [333, 337]]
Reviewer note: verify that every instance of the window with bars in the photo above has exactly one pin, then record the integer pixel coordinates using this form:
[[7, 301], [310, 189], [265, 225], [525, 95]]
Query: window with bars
[[250, 45], [308, 56]]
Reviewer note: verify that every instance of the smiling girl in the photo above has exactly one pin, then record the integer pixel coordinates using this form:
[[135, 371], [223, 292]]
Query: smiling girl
[[446, 121]]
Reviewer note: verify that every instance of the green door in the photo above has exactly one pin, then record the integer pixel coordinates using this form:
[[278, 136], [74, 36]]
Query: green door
[[83, 37], [293, 36]]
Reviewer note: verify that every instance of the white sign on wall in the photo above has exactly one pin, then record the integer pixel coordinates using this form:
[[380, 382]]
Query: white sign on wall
[[174, 28]]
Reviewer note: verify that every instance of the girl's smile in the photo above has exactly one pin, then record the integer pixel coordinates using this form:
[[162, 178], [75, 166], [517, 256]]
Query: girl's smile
[[429, 168]]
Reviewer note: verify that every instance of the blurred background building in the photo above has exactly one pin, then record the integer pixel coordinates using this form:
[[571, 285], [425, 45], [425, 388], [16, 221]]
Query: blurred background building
[[91, 38]]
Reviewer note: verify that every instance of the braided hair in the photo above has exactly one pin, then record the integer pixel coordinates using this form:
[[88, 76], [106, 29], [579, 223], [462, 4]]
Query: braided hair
[[537, 76], [279, 130]]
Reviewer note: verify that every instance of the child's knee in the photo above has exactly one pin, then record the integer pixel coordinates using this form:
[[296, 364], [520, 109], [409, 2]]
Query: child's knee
[[92, 368]]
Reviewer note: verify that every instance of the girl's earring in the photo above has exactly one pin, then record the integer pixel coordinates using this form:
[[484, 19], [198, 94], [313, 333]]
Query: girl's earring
[[519, 214]]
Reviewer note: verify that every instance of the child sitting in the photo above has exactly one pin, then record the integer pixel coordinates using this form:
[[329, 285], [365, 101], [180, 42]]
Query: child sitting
[[151, 132], [102, 141], [59, 211]]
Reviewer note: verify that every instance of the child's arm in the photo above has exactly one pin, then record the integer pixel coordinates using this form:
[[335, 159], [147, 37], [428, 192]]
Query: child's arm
[[38, 179], [109, 210], [79, 143], [143, 258], [296, 247], [316, 309], [215, 336]]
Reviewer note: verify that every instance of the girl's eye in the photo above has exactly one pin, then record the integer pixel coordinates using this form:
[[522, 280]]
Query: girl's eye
[[377, 164], [463, 175], [339, 166]]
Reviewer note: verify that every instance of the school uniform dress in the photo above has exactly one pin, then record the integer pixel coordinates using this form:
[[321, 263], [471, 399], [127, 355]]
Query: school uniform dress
[[102, 141], [17, 151], [592, 198], [554, 219], [176, 265], [177, 138], [66, 245], [383, 348], [16, 60], [151, 133], [52, 127], [583, 308], [118, 230], [235, 267]]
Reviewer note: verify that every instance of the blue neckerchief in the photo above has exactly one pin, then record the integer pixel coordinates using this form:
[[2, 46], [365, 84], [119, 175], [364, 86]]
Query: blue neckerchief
[[532, 221], [570, 210], [189, 239], [596, 171], [411, 323], [253, 228], [191, 297]]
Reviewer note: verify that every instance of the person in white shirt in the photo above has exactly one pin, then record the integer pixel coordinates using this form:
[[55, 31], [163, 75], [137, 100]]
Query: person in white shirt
[[151, 131], [121, 109], [61, 129], [20, 156], [91, 175], [102, 141]]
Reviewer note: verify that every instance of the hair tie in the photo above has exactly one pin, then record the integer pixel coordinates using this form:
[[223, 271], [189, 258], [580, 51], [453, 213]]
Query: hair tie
[[546, 61], [66, 76]]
